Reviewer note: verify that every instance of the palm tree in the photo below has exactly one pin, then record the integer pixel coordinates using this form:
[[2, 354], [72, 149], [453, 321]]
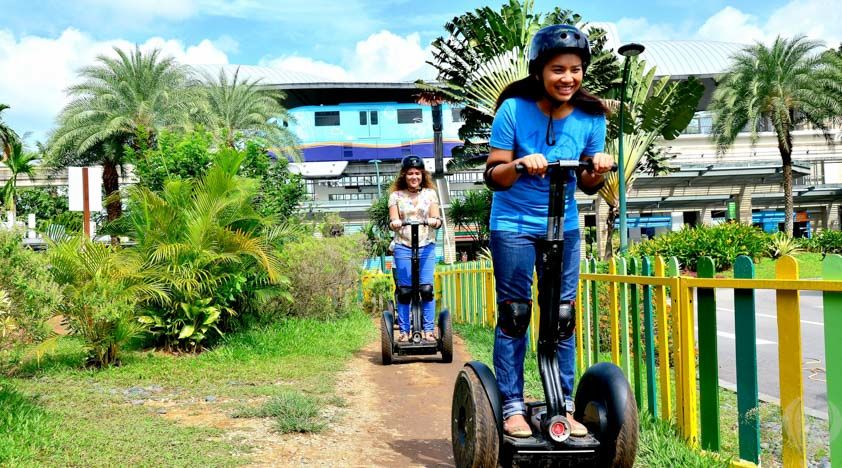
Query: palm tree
[[19, 162], [239, 106], [778, 85], [7, 135], [121, 101]]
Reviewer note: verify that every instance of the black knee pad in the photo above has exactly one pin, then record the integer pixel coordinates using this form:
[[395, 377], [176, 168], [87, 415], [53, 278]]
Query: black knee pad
[[513, 317], [566, 320], [427, 293], [405, 294]]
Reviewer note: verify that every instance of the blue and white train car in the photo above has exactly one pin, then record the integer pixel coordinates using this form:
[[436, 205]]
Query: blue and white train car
[[376, 130]]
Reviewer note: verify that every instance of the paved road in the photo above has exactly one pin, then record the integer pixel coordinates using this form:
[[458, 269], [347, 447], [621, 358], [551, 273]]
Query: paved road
[[812, 338]]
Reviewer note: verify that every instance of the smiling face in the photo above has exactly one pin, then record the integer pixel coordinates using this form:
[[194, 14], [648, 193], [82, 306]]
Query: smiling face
[[413, 178], [562, 76]]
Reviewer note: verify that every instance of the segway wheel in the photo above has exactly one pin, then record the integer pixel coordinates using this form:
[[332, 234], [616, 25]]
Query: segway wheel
[[446, 336], [387, 337], [606, 406], [390, 307], [473, 427]]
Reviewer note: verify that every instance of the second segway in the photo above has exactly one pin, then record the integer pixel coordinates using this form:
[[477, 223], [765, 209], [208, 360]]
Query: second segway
[[416, 345]]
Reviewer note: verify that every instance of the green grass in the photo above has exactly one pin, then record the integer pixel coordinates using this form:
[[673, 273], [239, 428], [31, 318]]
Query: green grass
[[660, 444], [809, 264], [110, 417], [293, 411]]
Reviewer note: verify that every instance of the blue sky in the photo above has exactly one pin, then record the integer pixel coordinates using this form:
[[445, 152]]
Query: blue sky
[[42, 43]]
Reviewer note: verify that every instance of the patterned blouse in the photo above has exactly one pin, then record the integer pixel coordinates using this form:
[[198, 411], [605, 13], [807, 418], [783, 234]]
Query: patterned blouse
[[414, 209]]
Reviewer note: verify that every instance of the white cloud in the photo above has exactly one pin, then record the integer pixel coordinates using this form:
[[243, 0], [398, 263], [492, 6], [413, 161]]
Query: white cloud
[[640, 29], [732, 25], [383, 56], [35, 71], [818, 19]]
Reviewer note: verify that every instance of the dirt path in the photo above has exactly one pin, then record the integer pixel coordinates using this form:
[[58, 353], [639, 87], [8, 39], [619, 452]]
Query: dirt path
[[397, 415]]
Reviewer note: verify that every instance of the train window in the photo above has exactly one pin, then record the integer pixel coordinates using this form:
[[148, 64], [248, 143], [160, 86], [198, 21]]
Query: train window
[[327, 119], [409, 116], [363, 118], [456, 114], [373, 117]]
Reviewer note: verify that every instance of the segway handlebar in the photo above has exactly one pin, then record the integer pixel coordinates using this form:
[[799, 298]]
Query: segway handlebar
[[566, 163], [410, 223]]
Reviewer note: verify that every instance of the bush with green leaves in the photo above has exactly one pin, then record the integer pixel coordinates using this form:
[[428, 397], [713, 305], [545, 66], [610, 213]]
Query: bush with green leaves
[[208, 244], [324, 275], [722, 242], [33, 297], [175, 156], [828, 242], [781, 244], [378, 291], [103, 286]]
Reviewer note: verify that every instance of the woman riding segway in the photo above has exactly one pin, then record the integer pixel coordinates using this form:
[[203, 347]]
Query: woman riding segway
[[413, 198], [543, 118]]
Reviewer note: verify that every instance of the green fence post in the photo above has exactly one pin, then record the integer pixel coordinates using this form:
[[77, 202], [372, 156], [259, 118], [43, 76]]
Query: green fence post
[[625, 361], [748, 407], [708, 359], [594, 315], [649, 343], [832, 270], [634, 310]]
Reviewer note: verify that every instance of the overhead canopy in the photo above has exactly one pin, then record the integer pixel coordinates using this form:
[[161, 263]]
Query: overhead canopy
[[319, 170]]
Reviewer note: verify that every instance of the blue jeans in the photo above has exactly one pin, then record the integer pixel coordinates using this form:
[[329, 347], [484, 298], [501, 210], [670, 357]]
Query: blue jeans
[[515, 259], [427, 266]]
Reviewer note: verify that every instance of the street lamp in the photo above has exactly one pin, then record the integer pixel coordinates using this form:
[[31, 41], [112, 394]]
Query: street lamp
[[628, 51], [376, 163]]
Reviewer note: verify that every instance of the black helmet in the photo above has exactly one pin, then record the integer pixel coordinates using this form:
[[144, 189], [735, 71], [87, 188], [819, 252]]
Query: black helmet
[[556, 39], [412, 162]]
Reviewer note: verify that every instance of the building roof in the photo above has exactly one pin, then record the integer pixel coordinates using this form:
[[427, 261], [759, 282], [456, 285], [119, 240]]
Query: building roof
[[680, 59]]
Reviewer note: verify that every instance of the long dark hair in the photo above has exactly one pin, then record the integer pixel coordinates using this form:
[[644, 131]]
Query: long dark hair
[[532, 88]]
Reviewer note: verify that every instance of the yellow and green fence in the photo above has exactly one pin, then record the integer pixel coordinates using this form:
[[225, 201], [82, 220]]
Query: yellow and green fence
[[653, 292]]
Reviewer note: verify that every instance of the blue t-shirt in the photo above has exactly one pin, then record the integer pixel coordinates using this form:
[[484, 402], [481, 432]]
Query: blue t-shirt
[[521, 126]]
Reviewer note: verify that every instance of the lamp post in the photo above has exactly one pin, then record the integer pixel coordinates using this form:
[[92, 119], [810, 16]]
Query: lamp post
[[628, 51], [376, 163]]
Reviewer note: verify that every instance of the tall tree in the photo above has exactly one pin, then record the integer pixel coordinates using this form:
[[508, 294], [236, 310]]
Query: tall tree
[[240, 108], [7, 135], [119, 98], [778, 85], [19, 162]]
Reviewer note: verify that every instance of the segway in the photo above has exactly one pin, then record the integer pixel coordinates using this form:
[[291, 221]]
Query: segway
[[603, 403], [416, 345]]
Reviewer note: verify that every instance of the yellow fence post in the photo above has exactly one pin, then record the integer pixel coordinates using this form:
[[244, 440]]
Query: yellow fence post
[[790, 366], [613, 314], [580, 321], [663, 341], [690, 396], [675, 318], [490, 295]]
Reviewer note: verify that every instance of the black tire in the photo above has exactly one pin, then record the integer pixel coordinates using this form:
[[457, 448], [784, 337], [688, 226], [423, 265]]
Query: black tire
[[387, 337], [606, 406], [473, 429], [446, 334], [390, 307]]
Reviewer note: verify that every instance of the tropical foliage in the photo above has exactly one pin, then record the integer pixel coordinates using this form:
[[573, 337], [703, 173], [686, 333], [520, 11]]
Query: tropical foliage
[[176, 156], [785, 84], [208, 245], [19, 162], [102, 287], [7, 135], [239, 109], [116, 100], [655, 111], [472, 214]]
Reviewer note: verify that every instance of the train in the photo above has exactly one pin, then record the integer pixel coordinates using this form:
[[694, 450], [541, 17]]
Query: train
[[368, 131]]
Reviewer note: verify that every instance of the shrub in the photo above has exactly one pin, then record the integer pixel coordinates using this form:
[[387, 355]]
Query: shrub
[[723, 243], [378, 291], [324, 275], [829, 241], [781, 244], [33, 296], [102, 288]]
